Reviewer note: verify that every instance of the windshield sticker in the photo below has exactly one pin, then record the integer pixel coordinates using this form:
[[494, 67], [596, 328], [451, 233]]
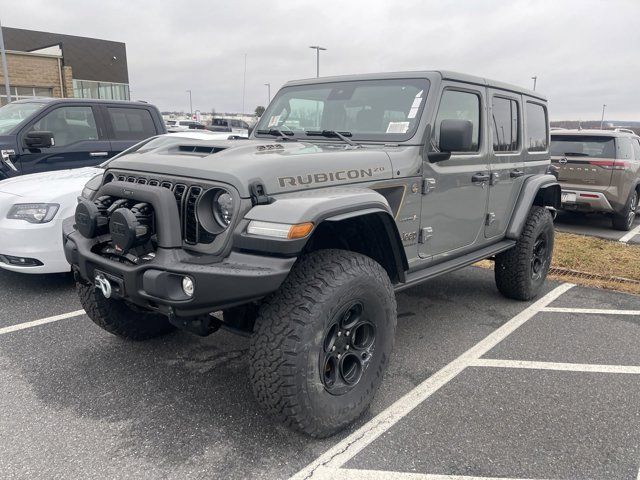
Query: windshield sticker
[[273, 121], [416, 102], [413, 112], [398, 127]]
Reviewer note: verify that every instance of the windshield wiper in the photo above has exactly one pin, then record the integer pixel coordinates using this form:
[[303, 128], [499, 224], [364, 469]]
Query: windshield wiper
[[276, 132], [575, 154], [333, 134]]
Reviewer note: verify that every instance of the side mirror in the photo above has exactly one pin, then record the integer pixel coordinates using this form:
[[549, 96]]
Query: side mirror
[[455, 136], [39, 140]]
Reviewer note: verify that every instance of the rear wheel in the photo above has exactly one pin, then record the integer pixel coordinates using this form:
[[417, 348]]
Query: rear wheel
[[521, 271], [322, 342], [118, 318], [624, 220]]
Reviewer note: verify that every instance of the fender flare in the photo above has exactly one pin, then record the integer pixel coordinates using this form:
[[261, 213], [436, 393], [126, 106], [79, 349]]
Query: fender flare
[[542, 190]]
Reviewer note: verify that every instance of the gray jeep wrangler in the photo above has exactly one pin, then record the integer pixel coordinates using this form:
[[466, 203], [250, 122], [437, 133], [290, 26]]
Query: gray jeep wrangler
[[350, 189]]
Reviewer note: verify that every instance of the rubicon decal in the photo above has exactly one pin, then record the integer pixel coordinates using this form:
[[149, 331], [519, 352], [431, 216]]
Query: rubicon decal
[[324, 177]]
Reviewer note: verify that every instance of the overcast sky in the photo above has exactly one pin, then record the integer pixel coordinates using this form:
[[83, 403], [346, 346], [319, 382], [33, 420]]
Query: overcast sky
[[584, 52]]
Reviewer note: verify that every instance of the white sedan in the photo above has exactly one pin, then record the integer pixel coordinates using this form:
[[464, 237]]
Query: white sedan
[[33, 207]]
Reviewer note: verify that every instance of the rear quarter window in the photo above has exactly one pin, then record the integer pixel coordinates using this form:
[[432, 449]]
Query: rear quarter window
[[131, 123], [536, 128]]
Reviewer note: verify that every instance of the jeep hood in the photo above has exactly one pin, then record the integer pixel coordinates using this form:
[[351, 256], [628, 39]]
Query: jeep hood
[[279, 166], [45, 186]]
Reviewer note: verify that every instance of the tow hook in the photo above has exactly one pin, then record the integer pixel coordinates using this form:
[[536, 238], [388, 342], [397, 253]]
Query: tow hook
[[102, 283]]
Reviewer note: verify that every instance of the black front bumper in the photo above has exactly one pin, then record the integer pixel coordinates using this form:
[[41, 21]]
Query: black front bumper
[[157, 284]]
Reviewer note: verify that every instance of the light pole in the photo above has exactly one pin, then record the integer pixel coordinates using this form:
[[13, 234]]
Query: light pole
[[317, 48], [190, 105], [244, 81], [5, 72], [602, 119], [535, 80], [268, 85]]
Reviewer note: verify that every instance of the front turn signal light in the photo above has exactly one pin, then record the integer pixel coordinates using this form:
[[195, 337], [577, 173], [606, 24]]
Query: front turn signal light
[[279, 230]]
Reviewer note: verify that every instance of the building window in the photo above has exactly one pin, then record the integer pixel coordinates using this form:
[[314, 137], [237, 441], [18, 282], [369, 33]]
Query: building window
[[20, 93], [100, 90]]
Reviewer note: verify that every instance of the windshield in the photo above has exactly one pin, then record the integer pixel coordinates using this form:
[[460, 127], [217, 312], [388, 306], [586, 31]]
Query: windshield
[[14, 113], [376, 110], [583, 146]]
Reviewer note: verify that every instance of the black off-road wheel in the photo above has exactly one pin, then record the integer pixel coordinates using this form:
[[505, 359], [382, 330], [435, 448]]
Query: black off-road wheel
[[521, 271], [624, 220], [321, 343], [118, 318]]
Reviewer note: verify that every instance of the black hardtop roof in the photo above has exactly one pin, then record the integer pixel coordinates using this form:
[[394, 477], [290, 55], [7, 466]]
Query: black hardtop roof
[[429, 74]]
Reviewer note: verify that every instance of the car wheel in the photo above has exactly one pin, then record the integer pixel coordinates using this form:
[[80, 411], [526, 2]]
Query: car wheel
[[624, 220], [322, 342], [521, 271], [118, 318]]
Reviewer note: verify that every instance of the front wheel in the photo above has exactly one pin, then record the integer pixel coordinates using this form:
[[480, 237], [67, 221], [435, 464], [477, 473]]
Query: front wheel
[[521, 271], [624, 220], [321, 343]]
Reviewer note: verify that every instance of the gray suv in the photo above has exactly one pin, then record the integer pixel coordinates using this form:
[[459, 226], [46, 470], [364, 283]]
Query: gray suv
[[350, 189], [599, 171]]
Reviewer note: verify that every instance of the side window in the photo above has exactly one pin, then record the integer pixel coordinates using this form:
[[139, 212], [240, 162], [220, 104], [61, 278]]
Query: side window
[[131, 123], [69, 125], [537, 134], [458, 105], [505, 124], [636, 148]]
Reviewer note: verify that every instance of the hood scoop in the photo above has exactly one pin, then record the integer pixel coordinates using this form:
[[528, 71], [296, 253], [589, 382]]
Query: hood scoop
[[200, 149]]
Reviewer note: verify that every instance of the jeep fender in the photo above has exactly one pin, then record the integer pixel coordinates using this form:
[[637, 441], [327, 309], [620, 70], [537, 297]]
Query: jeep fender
[[542, 190], [326, 208]]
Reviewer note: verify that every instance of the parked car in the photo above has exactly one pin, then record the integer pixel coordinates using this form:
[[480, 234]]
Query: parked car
[[302, 235], [233, 125], [599, 171], [184, 125], [45, 134], [33, 207]]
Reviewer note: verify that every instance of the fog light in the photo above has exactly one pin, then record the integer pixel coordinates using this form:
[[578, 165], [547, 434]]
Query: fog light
[[187, 286]]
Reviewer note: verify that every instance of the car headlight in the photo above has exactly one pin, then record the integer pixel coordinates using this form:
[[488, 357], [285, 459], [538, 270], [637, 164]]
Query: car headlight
[[92, 187], [34, 212], [223, 208]]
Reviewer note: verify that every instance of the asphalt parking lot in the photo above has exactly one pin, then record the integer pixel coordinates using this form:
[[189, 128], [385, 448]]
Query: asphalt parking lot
[[596, 225], [478, 387]]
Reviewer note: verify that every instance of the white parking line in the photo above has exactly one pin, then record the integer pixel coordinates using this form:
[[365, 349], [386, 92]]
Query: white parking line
[[630, 234], [42, 321], [356, 474], [566, 367], [596, 311], [343, 451]]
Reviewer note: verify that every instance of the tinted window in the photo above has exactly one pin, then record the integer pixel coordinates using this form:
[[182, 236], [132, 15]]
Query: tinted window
[[131, 123], [456, 105], [624, 148], [636, 149], [583, 146], [69, 125], [536, 127], [504, 116]]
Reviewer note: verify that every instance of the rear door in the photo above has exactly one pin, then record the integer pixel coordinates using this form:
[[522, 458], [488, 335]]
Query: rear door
[[454, 210], [128, 125], [506, 162], [79, 136], [583, 161]]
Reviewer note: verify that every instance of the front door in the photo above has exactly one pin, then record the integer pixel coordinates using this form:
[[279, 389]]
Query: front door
[[454, 209], [78, 140], [507, 161]]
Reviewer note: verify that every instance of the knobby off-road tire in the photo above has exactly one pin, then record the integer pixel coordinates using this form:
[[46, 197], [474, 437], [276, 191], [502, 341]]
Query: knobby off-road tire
[[624, 220], [333, 302], [118, 318], [521, 271]]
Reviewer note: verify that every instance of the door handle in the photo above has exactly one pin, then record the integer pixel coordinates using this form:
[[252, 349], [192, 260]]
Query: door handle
[[98, 154], [481, 177], [516, 173]]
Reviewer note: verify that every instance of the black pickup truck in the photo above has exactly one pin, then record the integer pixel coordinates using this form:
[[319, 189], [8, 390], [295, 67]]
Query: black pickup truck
[[43, 134]]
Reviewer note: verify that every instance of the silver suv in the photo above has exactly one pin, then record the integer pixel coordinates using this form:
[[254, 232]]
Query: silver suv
[[599, 171]]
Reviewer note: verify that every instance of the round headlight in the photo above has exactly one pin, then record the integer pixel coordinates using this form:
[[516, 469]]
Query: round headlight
[[223, 208]]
